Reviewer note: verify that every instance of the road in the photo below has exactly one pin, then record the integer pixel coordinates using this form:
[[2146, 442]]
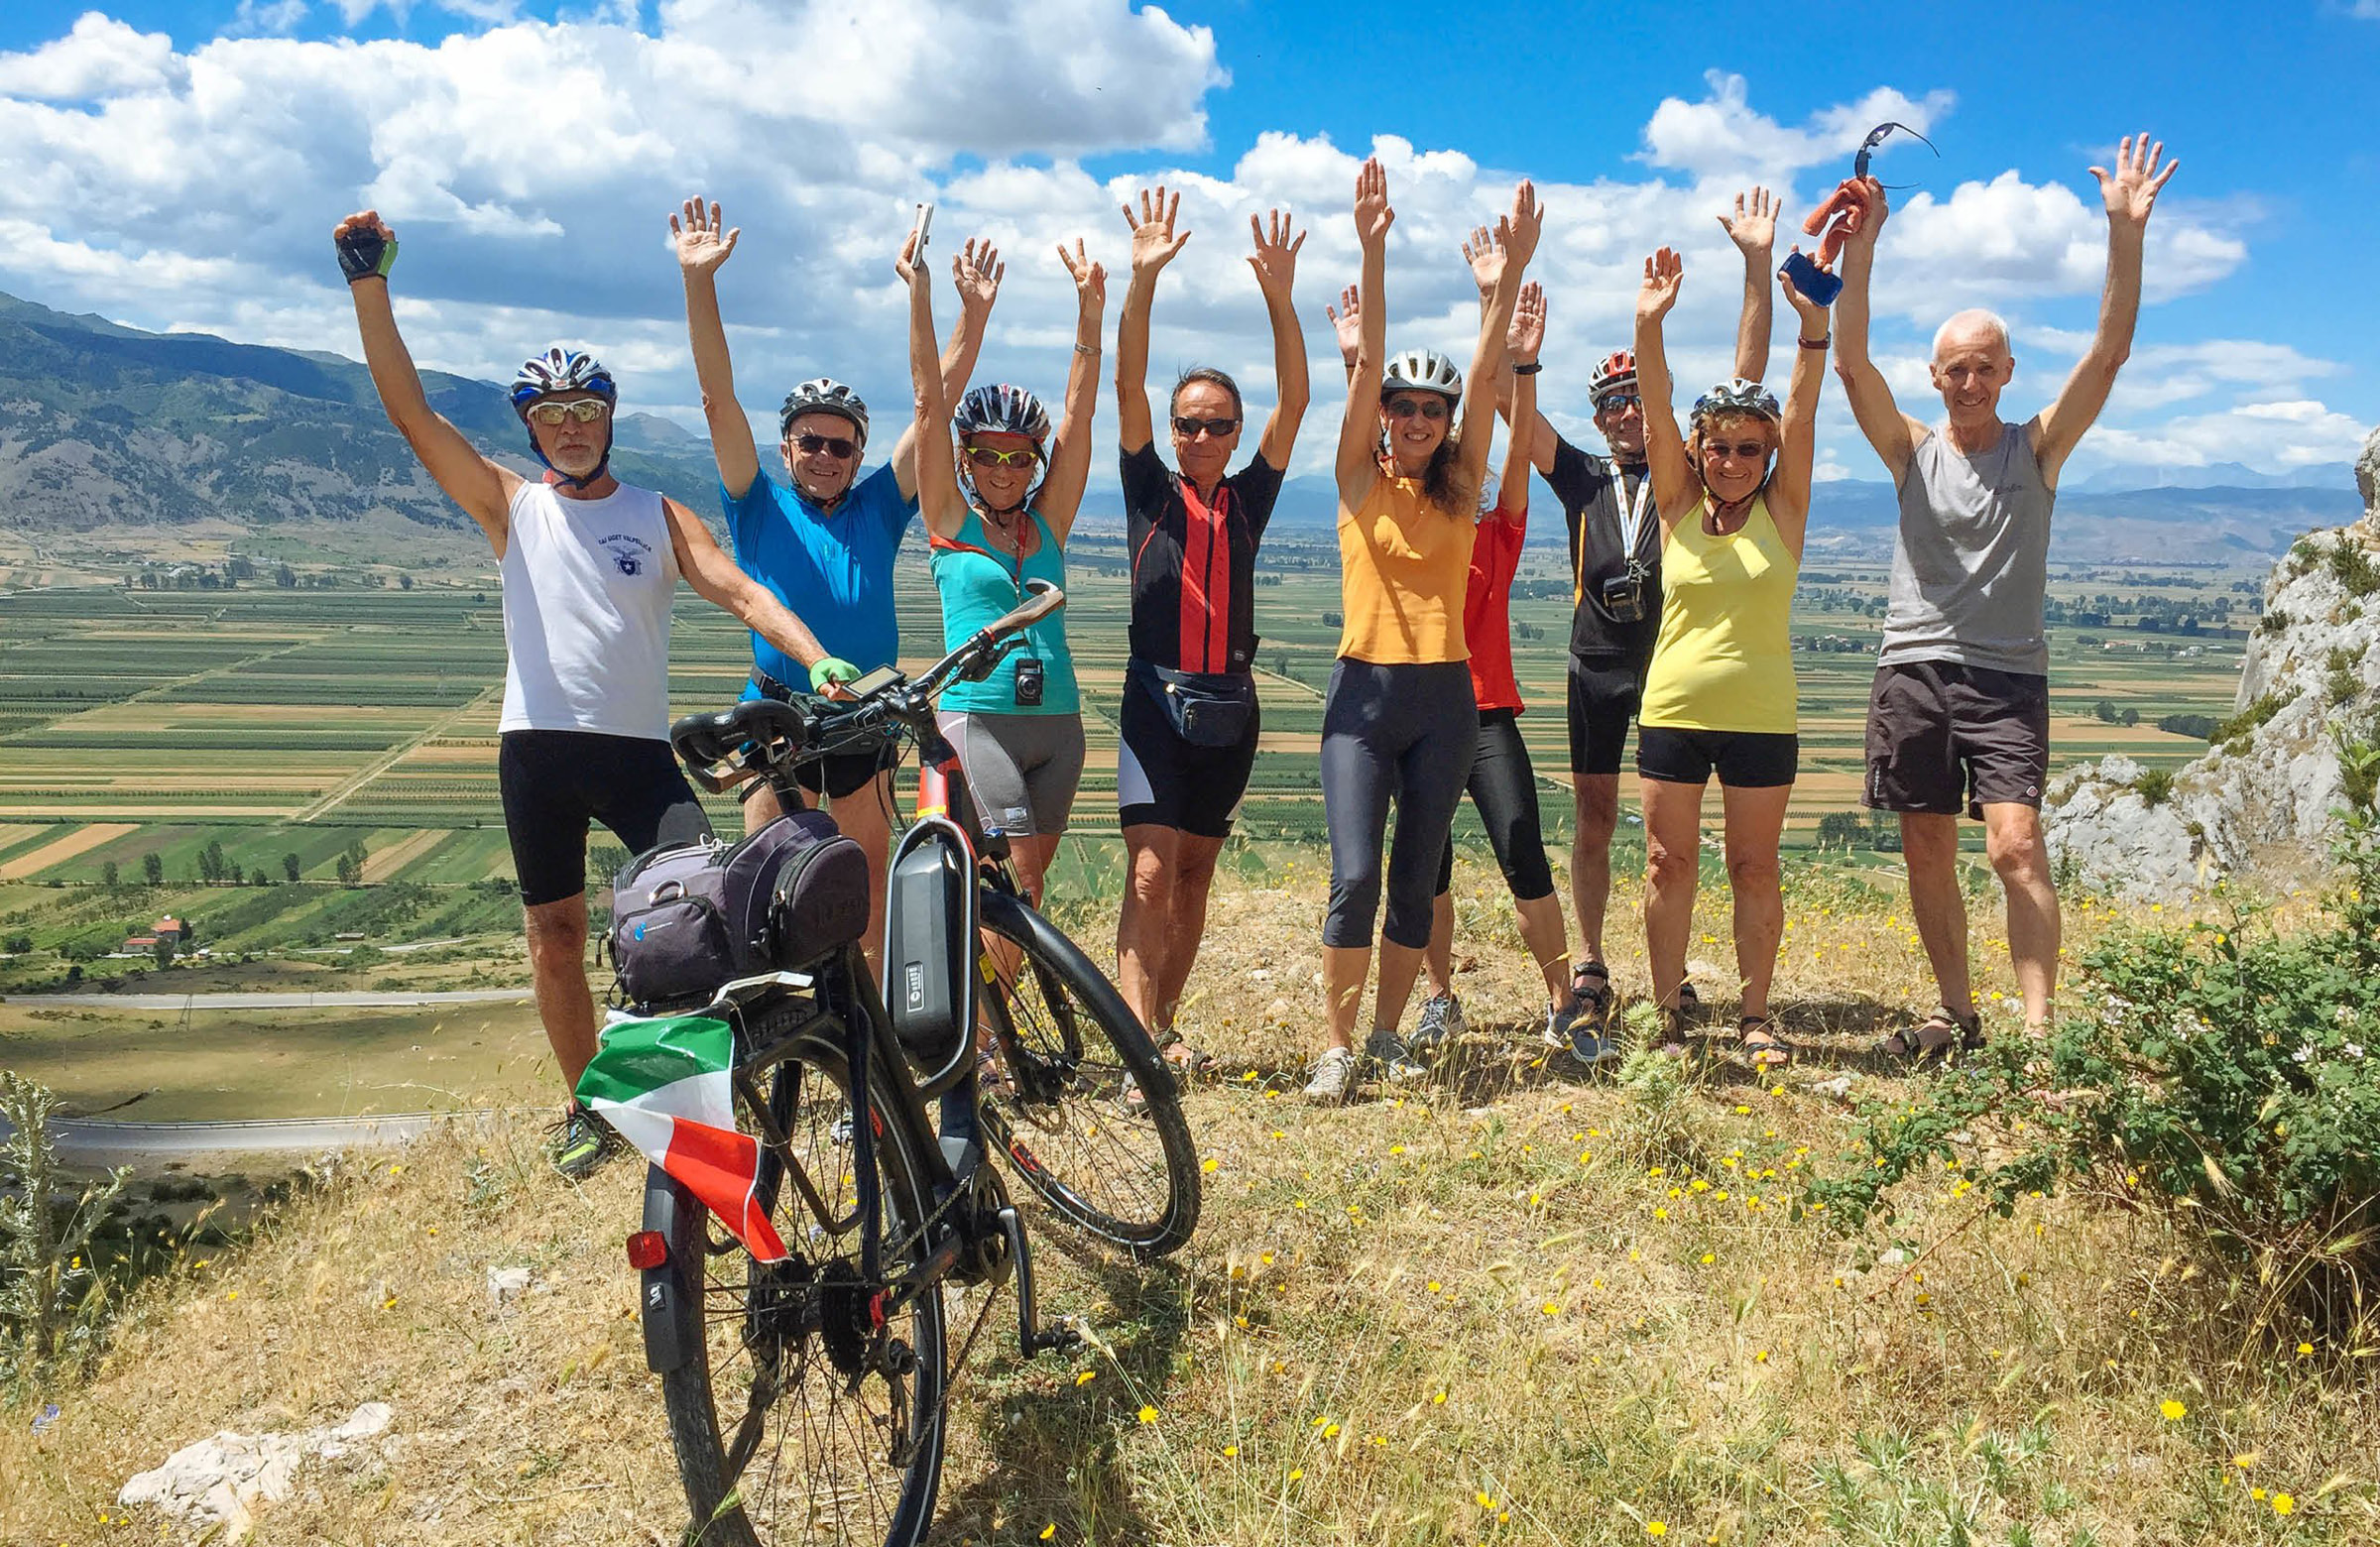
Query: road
[[322, 1001], [81, 1139]]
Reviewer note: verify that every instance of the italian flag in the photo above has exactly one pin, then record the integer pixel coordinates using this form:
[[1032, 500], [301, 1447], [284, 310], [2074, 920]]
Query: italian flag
[[663, 1085]]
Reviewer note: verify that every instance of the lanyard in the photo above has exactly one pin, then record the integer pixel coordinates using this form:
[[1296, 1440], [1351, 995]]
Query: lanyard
[[1631, 515]]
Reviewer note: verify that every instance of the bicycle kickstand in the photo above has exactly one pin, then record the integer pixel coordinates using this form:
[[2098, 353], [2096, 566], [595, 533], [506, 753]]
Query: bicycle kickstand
[[1063, 1333]]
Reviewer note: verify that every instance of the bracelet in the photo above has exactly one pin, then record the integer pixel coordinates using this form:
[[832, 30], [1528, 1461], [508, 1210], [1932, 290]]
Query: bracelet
[[1817, 343], [1530, 369], [1089, 349]]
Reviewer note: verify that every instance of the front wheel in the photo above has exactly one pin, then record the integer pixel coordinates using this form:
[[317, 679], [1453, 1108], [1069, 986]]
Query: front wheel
[[1080, 1100], [812, 1407]]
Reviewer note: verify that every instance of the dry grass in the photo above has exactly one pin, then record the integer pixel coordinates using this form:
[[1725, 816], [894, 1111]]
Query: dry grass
[[1511, 1306]]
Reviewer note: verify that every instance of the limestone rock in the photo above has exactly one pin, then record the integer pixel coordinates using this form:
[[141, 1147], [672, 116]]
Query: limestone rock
[[2268, 799], [221, 1481]]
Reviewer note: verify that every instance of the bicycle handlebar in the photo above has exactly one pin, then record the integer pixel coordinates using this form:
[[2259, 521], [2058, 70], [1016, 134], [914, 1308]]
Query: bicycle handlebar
[[719, 749]]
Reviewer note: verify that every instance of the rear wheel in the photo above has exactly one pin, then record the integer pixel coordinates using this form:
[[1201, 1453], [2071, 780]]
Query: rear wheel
[[1084, 1106], [811, 1409]]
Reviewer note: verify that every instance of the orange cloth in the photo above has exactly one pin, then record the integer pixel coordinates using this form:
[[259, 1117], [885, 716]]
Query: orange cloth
[[1404, 568]]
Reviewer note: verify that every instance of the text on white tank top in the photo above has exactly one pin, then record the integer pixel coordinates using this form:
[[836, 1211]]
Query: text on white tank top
[[587, 589]]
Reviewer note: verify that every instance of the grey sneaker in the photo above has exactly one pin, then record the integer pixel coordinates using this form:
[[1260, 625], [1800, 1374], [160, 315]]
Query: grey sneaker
[[1330, 1078], [1441, 1023], [1391, 1057]]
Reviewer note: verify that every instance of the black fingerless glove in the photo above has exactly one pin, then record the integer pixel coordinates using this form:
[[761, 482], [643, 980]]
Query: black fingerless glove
[[364, 253]]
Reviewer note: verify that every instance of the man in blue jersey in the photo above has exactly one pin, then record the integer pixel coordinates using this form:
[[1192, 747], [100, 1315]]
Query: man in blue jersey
[[824, 540]]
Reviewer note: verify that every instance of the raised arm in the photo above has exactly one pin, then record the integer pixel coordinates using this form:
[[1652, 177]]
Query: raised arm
[[702, 243], [1154, 245], [938, 496], [1797, 436], [1894, 434], [716, 579], [1062, 494], [1675, 487], [2129, 196], [1523, 340], [1511, 245], [367, 249], [1753, 230], [976, 271], [1358, 463], [1532, 430], [1275, 264]]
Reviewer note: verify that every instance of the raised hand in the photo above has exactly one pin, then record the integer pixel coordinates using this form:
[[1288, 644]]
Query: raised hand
[[1348, 323], [1090, 280], [1275, 257], [1521, 228], [366, 245], [2132, 192], [1813, 315], [1484, 250], [1664, 270], [702, 239], [912, 272], [1374, 217], [1527, 336], [1753, 228], [1154, 243], [977, 271]]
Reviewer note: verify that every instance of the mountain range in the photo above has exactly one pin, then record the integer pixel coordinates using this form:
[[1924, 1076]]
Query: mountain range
[[104, 426]]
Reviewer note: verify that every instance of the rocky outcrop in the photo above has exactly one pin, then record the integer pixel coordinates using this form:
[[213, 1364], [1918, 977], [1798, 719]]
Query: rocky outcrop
[[2263, 801]]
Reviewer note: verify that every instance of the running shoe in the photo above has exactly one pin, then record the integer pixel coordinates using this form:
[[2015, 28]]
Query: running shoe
[[1586, 1040], [582, 1142], [1441, 1023], [1330, 1078], [1391, 1057]]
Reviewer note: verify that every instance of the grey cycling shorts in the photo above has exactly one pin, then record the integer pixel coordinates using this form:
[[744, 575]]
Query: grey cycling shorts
[[1022, 768]]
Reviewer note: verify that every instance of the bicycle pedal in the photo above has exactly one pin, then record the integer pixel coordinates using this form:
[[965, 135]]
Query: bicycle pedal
[[1060, 1335]]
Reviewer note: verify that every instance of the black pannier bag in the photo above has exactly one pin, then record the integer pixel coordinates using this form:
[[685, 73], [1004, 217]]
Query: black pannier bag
[[687, 917]]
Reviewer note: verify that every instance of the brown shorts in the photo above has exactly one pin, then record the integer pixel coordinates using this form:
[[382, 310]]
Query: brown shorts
[[1942, 736]]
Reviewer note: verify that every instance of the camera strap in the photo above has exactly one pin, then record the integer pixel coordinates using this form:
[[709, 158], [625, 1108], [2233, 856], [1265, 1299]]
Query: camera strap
[[1631, 512]]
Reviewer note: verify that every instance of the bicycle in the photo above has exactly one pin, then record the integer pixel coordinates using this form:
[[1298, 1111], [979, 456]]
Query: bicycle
[[808, 1397]]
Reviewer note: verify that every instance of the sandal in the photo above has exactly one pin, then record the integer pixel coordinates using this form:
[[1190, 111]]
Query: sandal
[[1674, 1043], [1591, 987], [1770, 1051], [1690, 1004], [1940, 1034], [1187, 1062]]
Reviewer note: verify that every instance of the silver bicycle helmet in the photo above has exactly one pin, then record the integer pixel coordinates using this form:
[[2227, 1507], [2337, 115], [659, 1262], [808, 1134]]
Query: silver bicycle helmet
[[1737, 395], [1423, 370], [1615, 372], [561, 369], [824, 394], [1001, 410]]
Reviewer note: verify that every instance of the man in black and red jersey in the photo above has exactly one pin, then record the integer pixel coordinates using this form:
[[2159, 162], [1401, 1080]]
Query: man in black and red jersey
[[1188, 727], [1616, 576]]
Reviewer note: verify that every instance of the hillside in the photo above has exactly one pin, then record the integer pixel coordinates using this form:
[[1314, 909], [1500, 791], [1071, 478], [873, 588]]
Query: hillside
[[1507, 1306]]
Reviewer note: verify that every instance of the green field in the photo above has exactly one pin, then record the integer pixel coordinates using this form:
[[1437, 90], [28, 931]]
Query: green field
[[276, 722]]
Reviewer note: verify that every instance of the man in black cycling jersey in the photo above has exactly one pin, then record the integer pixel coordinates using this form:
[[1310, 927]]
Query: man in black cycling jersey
[[1615, 578], [590, 565]]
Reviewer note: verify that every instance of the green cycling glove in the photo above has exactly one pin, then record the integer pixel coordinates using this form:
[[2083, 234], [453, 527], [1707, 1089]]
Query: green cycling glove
[[365, 253], [829, 670]]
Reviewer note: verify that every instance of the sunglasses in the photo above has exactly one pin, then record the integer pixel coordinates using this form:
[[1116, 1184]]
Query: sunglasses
[[833, 445], [985, 456], [1192, 428], [585, 409], [1432, 408], [1746, 451], [1619, 403]]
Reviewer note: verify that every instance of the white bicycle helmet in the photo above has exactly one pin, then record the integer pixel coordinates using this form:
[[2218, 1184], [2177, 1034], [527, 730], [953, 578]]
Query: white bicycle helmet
[[1737, 395], [562, 368], [1423, 370], [1001, 410], [823, 395], [1615, 372]]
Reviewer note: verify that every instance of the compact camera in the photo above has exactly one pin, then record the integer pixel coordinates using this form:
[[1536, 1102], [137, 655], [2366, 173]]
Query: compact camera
[[1623, 597], [1032, 675]]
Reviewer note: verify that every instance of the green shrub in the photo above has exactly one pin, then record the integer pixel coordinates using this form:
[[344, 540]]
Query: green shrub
[[2232, 734], [2352, 567], [2340, 683], [2226, 1070], [2155, 786], [2272, 622]]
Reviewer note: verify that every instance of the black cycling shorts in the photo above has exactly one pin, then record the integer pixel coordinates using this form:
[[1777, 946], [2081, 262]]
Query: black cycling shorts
[[1504, 786], [1743, 760], [1163, 780], [1604, 697], [555, 783]]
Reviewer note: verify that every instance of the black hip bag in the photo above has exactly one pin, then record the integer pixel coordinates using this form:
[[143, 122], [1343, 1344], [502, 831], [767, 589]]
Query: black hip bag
[[1207, 708]]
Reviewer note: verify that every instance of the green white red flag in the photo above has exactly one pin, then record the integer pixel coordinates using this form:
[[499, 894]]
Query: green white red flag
[[665, 1085]]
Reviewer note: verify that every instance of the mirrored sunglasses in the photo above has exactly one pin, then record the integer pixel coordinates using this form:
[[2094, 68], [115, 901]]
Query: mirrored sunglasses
[[986, 456], [584, 410], [1405, 408], [1190, 429]]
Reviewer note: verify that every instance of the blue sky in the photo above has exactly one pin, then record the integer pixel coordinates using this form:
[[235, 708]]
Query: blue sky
[[177, 166]]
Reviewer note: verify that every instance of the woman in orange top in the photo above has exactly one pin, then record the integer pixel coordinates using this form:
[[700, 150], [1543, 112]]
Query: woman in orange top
[[1400, 724]]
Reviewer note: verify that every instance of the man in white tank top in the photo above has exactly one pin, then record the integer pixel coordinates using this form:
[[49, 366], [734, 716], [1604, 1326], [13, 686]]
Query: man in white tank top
[[1961, 703], [590, 565]]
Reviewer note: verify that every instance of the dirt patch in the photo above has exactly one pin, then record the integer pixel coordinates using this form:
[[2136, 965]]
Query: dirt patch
[[63, 849], [383, 864]]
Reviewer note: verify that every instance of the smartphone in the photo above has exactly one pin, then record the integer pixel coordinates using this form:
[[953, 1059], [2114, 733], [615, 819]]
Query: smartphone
[[1812, 281], [925, 223]]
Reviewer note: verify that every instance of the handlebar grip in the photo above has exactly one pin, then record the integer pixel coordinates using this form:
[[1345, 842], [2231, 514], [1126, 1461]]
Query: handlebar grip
[[704, 741], [1041, 599]]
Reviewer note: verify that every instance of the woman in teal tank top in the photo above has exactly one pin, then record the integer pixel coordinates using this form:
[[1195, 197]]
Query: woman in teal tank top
[[1734, 502], [998, 511]]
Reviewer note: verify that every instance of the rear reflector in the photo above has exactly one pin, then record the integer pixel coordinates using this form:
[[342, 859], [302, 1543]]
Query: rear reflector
[[648, 1249]]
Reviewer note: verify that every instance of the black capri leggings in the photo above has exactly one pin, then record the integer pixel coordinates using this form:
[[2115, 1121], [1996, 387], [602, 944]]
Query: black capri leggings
[[1391, 733], [1504, 786]]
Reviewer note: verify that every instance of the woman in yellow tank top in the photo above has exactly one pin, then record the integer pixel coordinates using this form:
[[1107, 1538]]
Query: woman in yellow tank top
[[1720, 697]]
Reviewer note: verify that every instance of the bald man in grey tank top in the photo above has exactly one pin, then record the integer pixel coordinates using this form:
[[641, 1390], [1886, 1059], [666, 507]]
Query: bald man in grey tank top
[[1958, 717]]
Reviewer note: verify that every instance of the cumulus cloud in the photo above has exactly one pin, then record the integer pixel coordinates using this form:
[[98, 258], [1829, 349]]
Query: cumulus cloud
[[195, 188]]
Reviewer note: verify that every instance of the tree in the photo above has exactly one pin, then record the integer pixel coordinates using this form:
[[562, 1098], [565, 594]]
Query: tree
[[1841, 830], [107, 874], [346, 870], [2130, 716], [2103, 711], [289, 866], [211, 861], [165, 950], [153, 868]]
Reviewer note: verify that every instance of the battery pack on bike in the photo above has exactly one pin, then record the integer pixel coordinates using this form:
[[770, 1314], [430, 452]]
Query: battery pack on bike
[[930, 952]]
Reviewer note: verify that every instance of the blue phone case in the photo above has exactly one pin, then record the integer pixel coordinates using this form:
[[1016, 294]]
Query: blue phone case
[[1812, 281]]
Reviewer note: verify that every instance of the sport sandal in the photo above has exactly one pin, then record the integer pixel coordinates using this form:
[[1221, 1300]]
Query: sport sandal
[[1937, 1036], [1756, 1036]]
